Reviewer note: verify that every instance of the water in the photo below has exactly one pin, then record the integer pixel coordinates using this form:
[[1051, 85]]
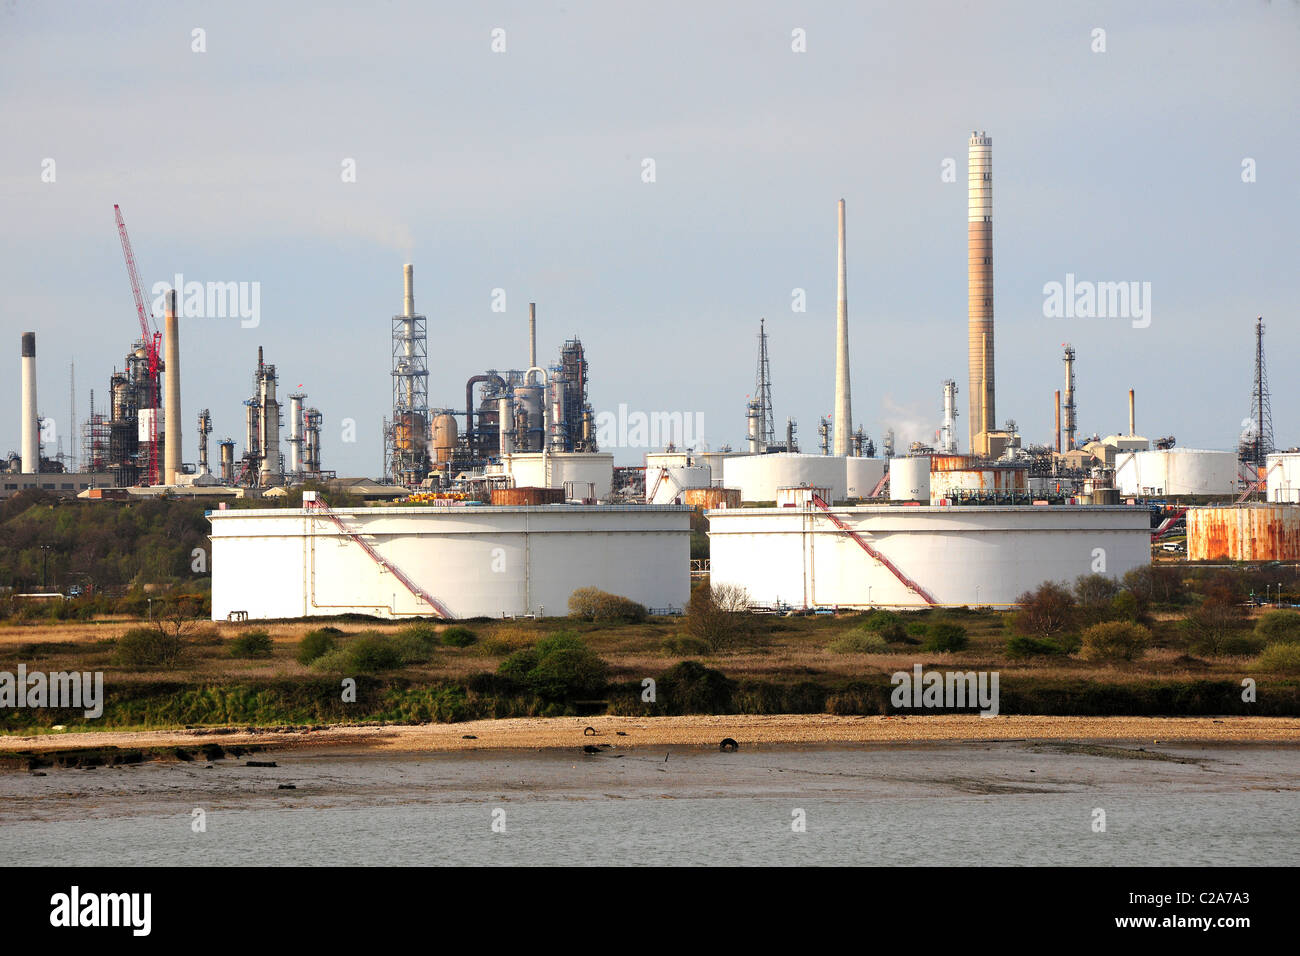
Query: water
[[1011, 803]]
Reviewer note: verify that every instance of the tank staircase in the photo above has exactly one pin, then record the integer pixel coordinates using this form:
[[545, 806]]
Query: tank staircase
[[323, 509], [1167, 525], [881, 485], [893, 568]]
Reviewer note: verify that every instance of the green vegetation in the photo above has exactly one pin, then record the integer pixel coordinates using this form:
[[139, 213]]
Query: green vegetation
[[317, 643], [558, 667], [251, 644], [1279, 627], [1283, 658], [147, 647], [593, 604], [456, 636], [946, 637], [859, 643], [1115, 641]]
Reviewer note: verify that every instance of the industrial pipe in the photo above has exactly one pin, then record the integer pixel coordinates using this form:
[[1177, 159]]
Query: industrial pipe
[[1132, 424], [469, 403], [843, 412]]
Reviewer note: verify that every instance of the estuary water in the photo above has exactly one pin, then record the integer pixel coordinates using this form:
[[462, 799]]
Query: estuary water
[[990, 803]]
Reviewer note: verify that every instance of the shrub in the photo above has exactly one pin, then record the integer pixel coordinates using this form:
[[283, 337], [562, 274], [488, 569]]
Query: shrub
[[316, 643], [1115, 641], [946, 637], [1125, 606], [1279, 627], [1213, 628], [1021, 646], [593, 604], [1046, 611], [415, 644], [692, 688], [878, 620], [560, 667], [918, 628], [1095, 594], [868, 643], [370, 652], [1284, 658], [682, 644], [147, 647], [457, 636], [251, 644]]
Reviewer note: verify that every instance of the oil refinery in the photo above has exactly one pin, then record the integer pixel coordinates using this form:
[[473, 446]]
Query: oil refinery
[[503, 503]]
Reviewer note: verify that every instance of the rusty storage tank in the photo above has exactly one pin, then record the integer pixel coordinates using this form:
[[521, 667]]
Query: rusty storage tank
[[528, 496], [1249, 532], [444, 437], [409, 432], [711, 497]]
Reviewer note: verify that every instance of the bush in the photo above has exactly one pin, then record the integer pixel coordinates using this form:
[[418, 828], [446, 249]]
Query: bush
[[684, 644], [370, 652], [692, 688], [1021, 646], [1214, 628], [1044, 612], [251, 644], [1279, 627], [1095, 594], [560, 667], [316, 643], [457, 636], [868, 643], [147, 647], [593, 604], [415, 644], [1115, 641], [1284, 658], [878, 620], [1125, 606], [945, 637]]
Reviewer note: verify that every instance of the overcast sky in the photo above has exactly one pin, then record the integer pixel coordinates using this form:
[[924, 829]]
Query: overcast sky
[[523, 170]]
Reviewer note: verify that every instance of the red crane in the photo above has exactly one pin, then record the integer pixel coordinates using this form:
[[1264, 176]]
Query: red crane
[[152, 340]]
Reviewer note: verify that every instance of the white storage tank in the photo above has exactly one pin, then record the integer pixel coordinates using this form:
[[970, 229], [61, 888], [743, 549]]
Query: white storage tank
[[920, 556], [1283, 476], [579, 471], [664, 486], [1176, 471], [758, 476], [909, 478], [863, 474], [455, 562]]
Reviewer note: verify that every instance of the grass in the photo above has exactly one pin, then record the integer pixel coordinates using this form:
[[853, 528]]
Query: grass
[[796, 662]]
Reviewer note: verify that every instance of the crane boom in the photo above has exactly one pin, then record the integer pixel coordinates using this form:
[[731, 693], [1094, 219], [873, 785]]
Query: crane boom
[[152, 341]]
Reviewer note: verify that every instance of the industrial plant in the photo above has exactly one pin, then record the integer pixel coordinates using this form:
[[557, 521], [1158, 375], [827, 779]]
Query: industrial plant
[[504, 504]]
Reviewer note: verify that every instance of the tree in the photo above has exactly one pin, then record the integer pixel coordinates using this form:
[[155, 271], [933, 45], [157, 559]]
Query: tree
[[717, 615], [1094, 593], [1115, 641], [1045, 612]]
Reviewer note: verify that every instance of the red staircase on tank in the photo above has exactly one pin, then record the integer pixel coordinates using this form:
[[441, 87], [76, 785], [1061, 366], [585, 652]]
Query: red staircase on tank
[[323, 509], [1167, 525], [893, 568]]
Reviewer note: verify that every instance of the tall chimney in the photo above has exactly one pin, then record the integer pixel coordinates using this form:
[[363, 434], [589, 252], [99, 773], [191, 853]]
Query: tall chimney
[[1058, 421], [408, 273], [171, 392], [843, 413], [532, 334], [979, 288], [1132, 424], [31, 431]]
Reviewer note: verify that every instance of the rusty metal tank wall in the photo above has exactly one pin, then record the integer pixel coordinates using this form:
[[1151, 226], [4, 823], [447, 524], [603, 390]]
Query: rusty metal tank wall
[[1253, 532]]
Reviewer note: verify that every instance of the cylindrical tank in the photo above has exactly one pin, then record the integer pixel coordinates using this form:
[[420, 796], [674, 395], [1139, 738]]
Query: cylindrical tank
[[1251, 532], [252, 434], [909, 479], [444, 437], [558, 428], [527, 496], [711, 497], [665, 485], [529, 401], [227, 461], [1176, 471], [863, 476], [270, 430], [758, 476], [1283, 477], [489, 428], [295, 432], [505, 426]]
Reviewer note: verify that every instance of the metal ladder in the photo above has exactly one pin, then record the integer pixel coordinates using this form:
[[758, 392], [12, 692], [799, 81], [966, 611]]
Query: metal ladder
[[893, 568], [323, 509]]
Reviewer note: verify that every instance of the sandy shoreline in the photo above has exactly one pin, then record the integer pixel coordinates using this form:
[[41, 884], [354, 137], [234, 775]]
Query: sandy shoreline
[[694, 731]]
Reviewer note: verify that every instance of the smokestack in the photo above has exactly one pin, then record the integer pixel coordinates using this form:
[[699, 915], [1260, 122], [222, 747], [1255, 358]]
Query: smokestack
[[1058, 421], [1132, 424], [532, 334], [171, 392], [843, 413], [1071, 425], [31, 430], [979, 288], [408, 273]]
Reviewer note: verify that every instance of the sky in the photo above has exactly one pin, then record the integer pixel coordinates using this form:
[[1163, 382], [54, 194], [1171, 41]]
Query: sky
[[309, 150]]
